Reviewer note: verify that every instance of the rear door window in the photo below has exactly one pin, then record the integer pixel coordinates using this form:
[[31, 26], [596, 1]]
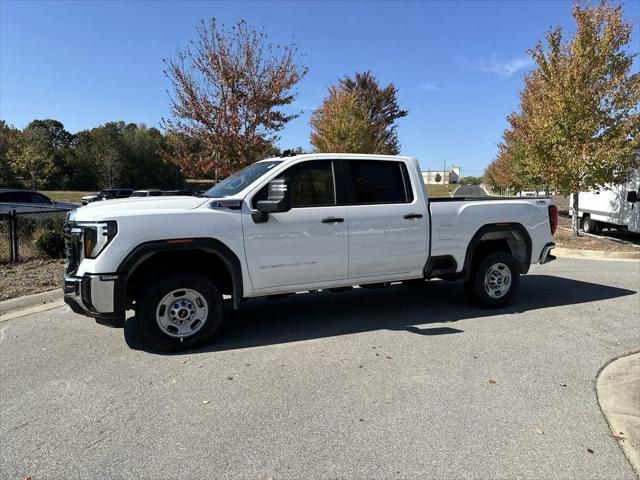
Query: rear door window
[[378, 181]]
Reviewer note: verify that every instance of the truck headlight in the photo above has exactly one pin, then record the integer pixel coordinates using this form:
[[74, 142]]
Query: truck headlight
[[96, 236]]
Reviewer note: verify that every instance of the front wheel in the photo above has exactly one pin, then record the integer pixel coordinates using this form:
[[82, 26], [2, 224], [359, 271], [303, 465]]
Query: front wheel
[[494, 281], [179, 311]]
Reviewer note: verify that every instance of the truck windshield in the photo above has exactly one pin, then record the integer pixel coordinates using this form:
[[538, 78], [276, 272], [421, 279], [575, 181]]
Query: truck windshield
[[235, 183]]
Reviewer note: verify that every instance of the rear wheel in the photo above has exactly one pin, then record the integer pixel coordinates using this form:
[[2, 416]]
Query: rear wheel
[[179, 311], [494, 280], [589, 225]]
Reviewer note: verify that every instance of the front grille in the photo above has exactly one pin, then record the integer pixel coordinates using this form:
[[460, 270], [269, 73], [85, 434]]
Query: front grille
[[72, 247]]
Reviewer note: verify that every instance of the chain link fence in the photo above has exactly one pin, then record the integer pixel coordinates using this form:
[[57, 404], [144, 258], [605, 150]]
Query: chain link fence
[[31, 234]]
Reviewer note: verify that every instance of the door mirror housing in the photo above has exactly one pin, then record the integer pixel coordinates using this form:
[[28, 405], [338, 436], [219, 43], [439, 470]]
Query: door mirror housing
[[278, 200], [632, 196]]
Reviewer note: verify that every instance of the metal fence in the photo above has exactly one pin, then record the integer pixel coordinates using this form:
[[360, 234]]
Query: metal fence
[[22, 233]]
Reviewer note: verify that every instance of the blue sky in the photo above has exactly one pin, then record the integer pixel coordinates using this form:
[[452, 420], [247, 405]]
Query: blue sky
[[458, 66]]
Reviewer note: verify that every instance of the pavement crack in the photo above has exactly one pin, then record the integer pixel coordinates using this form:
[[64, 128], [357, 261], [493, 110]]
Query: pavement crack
[[103, 437], [21, 426]]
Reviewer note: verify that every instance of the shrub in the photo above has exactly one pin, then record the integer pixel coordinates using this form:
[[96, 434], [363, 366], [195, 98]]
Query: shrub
[[50, 239], [26, 225]]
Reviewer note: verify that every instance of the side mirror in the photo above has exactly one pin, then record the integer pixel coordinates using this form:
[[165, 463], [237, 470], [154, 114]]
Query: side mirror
[[278, 200], [632, 196]]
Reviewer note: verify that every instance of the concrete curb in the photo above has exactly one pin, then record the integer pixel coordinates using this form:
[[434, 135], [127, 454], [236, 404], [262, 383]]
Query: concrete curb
[[618, 389], [17, 307], [597, 255], [487, 191]]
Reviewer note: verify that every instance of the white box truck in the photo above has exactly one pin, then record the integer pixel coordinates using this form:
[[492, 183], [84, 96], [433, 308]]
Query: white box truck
[[612, 207]]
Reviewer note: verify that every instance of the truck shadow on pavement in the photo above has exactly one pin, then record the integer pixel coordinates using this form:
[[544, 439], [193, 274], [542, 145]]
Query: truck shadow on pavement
[[407, 308]]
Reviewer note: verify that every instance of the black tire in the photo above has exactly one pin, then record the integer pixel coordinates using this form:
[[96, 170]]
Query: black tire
[[591, 226], [149, 301], [475, 287]]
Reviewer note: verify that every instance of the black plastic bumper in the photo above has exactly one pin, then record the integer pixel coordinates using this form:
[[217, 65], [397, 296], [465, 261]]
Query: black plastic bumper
[[545, 255]]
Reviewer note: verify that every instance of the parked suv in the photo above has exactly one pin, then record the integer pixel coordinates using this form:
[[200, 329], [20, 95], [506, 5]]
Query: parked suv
[[113, 193], [107, 194], [299, 223], [147, 193]]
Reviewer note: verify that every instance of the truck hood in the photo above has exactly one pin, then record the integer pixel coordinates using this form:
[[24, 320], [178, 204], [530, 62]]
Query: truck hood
[[105, 209]]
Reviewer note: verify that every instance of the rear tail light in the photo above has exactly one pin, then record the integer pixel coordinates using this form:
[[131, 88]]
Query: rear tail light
[[553, 218]]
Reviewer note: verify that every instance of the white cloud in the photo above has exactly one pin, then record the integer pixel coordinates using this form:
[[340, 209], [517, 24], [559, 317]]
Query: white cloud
[[500, 68], [429, 86]]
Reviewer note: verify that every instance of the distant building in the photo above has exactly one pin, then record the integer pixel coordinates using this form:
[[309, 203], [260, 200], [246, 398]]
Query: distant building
[[451, 176]]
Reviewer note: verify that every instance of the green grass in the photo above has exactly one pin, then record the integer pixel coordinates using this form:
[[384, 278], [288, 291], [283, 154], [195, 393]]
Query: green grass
[[199, 185], [65, 195], [439, 190]]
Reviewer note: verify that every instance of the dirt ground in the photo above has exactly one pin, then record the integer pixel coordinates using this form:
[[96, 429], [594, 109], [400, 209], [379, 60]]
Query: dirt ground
[[29, 277]]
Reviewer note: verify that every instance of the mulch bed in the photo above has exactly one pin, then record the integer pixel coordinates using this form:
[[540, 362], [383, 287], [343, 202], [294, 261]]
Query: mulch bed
[[29, 277], [564, 239]]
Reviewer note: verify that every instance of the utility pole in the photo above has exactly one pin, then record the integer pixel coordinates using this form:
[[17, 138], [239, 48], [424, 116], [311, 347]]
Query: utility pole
[[444, 170]]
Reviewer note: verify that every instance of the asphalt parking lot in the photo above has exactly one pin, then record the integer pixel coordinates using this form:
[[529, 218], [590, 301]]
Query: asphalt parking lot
[[405, 382]]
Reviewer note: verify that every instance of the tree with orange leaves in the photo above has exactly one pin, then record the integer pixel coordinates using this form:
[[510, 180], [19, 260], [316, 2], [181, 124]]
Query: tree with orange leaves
[[229, 87]]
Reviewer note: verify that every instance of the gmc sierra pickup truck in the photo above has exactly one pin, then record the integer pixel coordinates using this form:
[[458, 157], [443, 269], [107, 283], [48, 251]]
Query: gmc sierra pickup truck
[[291, 224]]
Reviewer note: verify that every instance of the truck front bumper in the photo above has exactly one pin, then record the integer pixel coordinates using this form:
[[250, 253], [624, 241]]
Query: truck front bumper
[[545, 255], [99, 296]]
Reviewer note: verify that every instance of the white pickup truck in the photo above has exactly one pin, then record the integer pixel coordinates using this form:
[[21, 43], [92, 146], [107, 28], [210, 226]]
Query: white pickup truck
[[292, 224]]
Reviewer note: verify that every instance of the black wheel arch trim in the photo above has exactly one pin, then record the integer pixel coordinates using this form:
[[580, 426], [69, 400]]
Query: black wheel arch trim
[[497, 227], [440, 265], [145, 250]]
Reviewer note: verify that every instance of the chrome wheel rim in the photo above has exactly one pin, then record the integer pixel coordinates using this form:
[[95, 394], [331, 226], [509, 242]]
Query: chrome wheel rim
[[497, 280], [182, 313]]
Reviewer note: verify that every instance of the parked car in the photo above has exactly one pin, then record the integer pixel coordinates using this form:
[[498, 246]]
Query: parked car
[[611, 207], [89, 198], [147, 193], [182, 193], [29, 200], [284, 225]]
